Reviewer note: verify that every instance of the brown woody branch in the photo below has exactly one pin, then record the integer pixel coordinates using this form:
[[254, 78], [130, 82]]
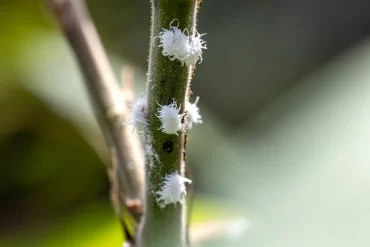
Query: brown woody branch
[[127, 172]]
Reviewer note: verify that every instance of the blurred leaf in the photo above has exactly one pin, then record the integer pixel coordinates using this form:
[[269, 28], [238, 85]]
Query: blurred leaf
[[303, 171], [92, 226], [19, 19]]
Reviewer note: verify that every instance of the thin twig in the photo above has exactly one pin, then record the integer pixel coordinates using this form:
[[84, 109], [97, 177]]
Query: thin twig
[[106, 98], [127, 84]]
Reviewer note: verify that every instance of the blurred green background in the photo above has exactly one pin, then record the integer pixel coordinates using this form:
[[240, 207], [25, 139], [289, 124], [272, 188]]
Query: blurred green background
[[285, 96]]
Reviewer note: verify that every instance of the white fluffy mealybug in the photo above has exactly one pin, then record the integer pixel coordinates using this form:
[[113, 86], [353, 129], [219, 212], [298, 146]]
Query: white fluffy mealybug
[[175, 43], [196, 46], [170, 118], [139, 111], [173, 190], [178, 45], [193, 115]]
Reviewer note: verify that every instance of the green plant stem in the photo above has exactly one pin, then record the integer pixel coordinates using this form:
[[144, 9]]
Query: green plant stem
[[167, 81]]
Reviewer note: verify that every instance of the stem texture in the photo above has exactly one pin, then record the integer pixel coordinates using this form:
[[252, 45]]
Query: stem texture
[[167, 81]]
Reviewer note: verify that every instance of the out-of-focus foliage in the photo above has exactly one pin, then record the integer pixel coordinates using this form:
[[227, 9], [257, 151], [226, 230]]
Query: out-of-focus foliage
[[91, 226]]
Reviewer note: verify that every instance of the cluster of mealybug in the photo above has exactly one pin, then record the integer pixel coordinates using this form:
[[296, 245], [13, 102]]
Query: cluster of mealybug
[[187, 49], [178, 45]]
